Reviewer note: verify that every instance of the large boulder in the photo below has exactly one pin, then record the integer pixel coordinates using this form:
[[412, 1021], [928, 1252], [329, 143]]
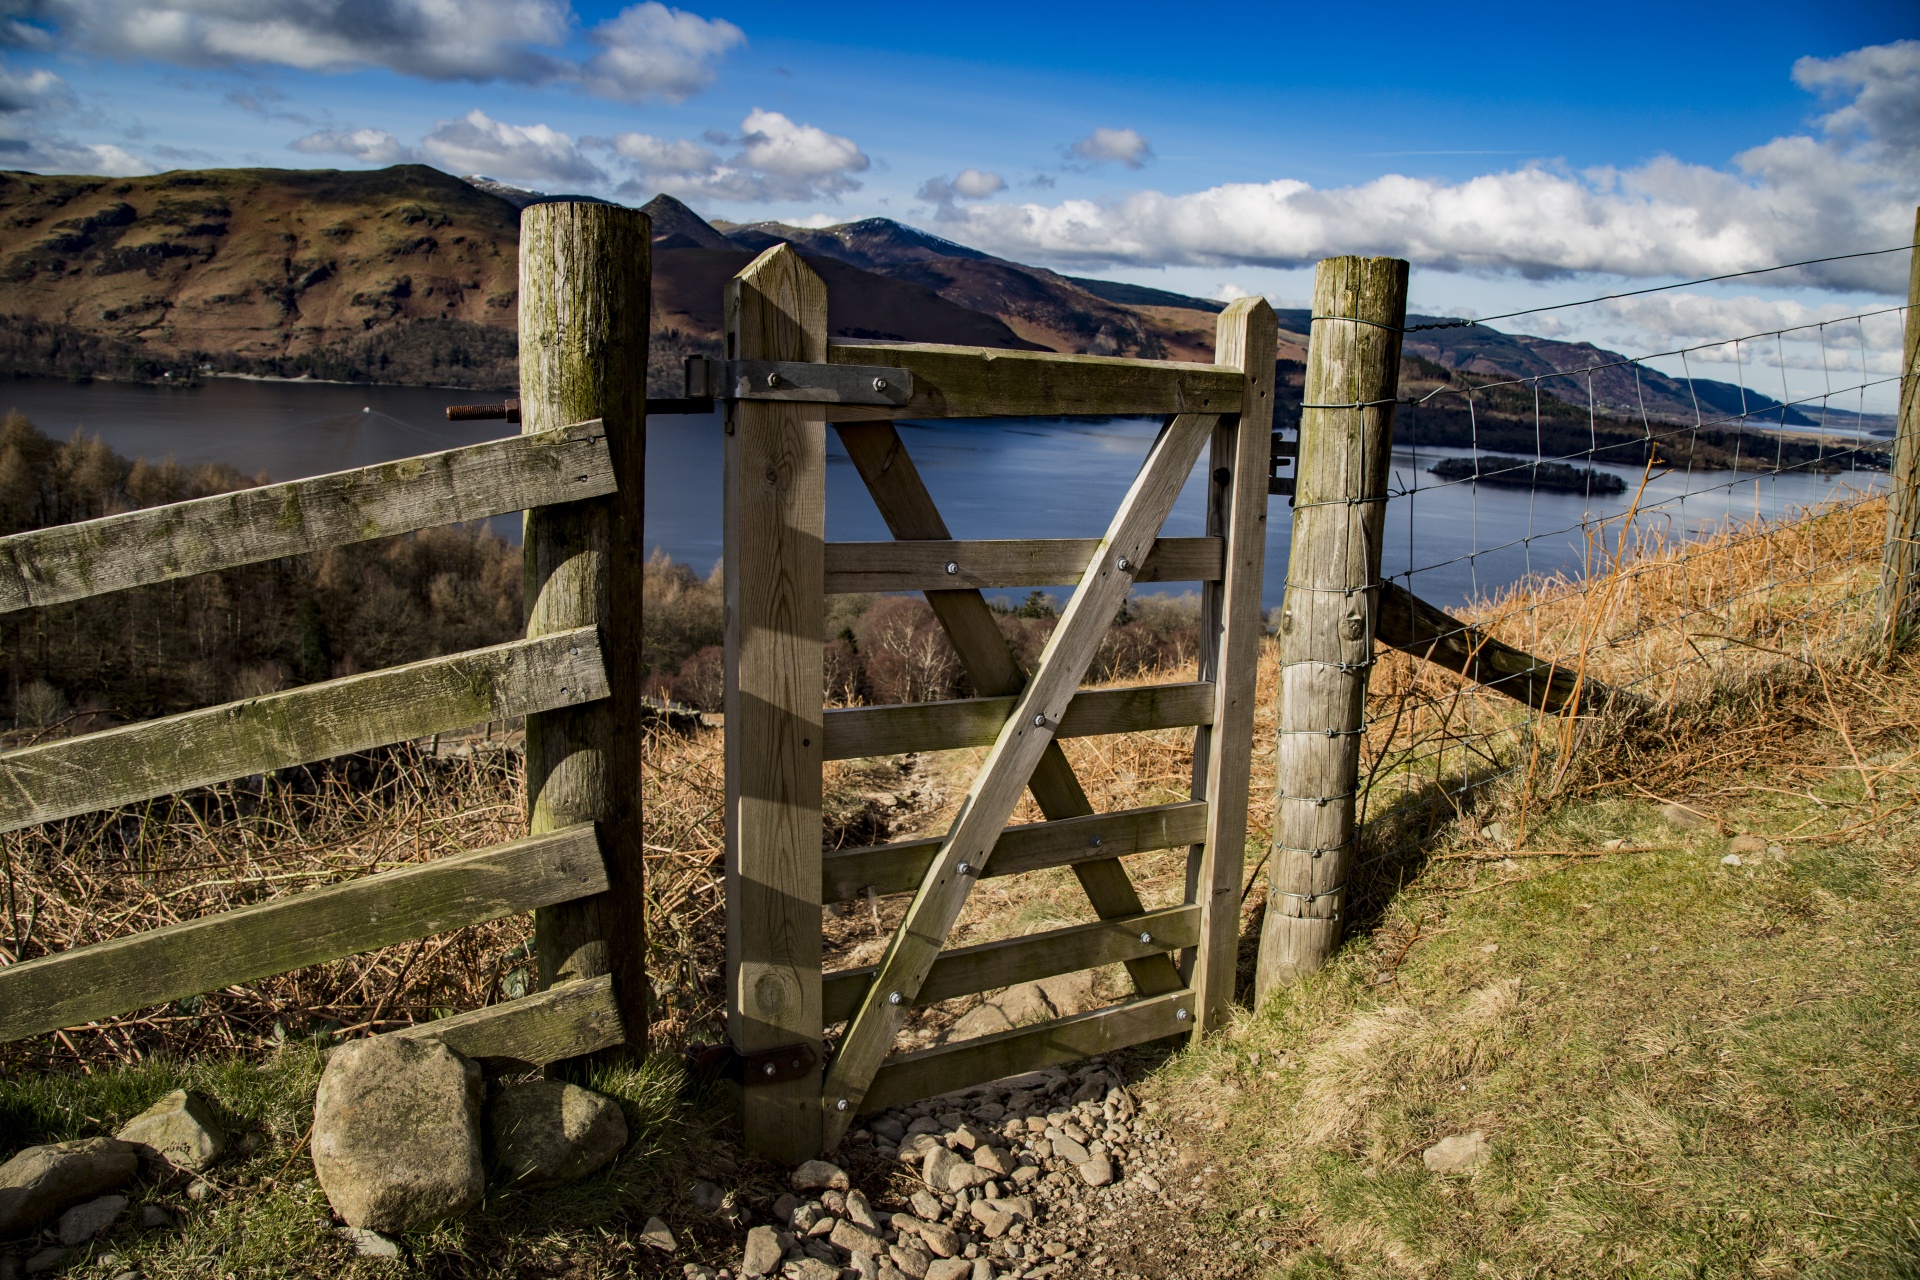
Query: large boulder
[[396, 1133], [179, 1132], [547, 1132], [41, 1181]]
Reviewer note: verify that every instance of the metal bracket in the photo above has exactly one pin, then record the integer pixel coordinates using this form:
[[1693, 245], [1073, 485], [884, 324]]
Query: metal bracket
[[796, 380], [1281, 453], [768, 1066]]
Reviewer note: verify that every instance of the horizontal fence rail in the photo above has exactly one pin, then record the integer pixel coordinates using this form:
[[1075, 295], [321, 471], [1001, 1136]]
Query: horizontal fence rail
[[899, 868], [315, 722], [931, 1072], [1025, 562], [563, 1022], [72, 561], [985, 382], [988, 966], [196, 956], [853, 732]]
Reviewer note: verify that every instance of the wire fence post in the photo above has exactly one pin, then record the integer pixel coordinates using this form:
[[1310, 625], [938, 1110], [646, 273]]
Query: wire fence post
[[1329, 614], [1901, 564], [585, 272]]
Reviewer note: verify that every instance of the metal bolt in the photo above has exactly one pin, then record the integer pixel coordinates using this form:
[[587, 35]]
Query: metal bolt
[[879, 384], [1181, 1015], [1039, 718], [1123, 564], [768, 1069], [563, 691], [953, 566], [840, 1105], [773, 380], [1094, 841], [965, 868], [1146, 937], [893, 997]]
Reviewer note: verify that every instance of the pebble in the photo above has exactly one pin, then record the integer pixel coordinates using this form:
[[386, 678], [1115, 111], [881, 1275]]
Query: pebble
[[1458, 1153], [369, 1244], [659, 1235]]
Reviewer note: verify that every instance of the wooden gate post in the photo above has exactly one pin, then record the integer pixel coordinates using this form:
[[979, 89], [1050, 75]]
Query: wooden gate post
[[585, 272], [776, 471], [1327, 618], [1900, 567], [1230, 650]]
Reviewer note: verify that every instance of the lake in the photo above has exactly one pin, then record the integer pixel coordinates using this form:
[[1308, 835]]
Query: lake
[[998, 478]]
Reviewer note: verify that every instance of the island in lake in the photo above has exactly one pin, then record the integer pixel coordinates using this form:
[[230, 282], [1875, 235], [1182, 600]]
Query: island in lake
[[1494, 468]]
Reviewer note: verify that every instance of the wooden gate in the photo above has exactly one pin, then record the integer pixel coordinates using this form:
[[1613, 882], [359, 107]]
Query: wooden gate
[[783, 381]]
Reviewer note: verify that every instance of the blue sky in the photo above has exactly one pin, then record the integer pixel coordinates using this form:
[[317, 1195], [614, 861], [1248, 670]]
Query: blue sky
[[1516, 154]]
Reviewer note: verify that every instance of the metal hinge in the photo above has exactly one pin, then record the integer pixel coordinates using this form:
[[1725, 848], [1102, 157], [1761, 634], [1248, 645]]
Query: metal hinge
[[767, 1066], [796, 380], [1283, 453]]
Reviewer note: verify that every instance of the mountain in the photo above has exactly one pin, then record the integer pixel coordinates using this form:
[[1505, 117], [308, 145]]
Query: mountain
[[521, 197]]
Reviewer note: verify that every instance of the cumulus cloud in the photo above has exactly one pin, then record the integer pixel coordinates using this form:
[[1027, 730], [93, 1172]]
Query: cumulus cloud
[[477, 143], [1123, 145], [37, 90], [31, 103], [968, 184], [1850, 185], [775, 159], [646, 50], [372, 146]]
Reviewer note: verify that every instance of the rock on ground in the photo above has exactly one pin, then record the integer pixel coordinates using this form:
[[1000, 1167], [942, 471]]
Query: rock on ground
[[818, 1174], [396, 1133], [369, 1244], [1459, 1153], [85, 1221], [179, 1131], [41, 1181], [1027, 1003], [763, 1252], [657, 1234], [548, 1132]]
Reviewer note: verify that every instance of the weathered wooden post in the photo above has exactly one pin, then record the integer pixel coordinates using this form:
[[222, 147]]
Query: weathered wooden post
[[585, 273], [775, 483], [1237, 468], [1327, 617], [1900, 567]]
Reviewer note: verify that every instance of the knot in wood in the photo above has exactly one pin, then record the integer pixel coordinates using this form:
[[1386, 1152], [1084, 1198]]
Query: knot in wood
[[1355, 628]]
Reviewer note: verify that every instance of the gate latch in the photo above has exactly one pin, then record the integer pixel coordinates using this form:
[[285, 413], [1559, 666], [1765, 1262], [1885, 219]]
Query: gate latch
[[797, 380], [766, 1066], [1284, 453]]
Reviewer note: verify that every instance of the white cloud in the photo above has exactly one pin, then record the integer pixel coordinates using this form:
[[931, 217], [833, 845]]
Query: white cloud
[[1851, 186], [1124, 145], [37, 90], [31, 103], [968, 184], [649, 50], [373, 146], [476, 143], [646, 50], [776, 159]]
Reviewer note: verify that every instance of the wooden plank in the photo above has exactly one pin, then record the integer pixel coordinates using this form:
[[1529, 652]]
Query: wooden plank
[[775, 487], [855, 732], [585, 274], [1027, 562], [932, 1072], [1011, 760], [983, 382], [1900, 558], [1413, 626], [1034, 846], [196, 956], [911, 516], [567, 1021], [316, 722], [1230, 648], [1330, 613], [989, 966], [73, 561]]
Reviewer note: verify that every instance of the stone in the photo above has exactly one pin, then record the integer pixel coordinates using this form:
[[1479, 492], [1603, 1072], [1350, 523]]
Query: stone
[[950, 1269], [706, 1197], [964, 1175], [982, 1270], [994, 1223], [11, 1266], [47, 1260], [1021, 1207], [783, 1207], [941, 1240], [698, 1271], [855, 1239], [369, 1244], [1148, 1181], [1069, 1150], [763, 1252], [546, 1133], [1678, 815], [179, 1132], [966, 1138], [890, 1272], [997, 1160], [925, 1203], [916, 1148], [199, 1189], [860, 1211], [1027, 1003], [939, 1163], [817, 1174], [1731, 860], [1747, 844], [155, 1217], [41, 1181], [888, 1128], [866, 1266], [396, 1133], [1097, 1172], [811, 1269], [1459, 1153], [913, 1262], [659, 1235], [1025, 1174], [804, 1216], [825, 1225], [90, 1220]]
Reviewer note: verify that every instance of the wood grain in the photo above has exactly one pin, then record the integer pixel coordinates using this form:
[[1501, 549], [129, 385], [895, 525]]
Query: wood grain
[[1011, 761], [196, 956], [1025, 562], [1223, 751], [316, 722], [1329, 616], [1900, 566], [895, 729], [72, 561], [585, 275], [984, 382], [568, 1021], [775, 487]]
